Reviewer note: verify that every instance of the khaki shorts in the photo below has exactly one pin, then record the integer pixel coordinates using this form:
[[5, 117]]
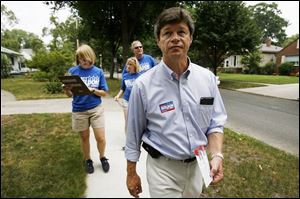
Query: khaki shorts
[[81, 121]]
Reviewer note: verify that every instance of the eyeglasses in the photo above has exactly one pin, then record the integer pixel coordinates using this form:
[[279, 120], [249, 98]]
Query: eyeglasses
[[137, 47]]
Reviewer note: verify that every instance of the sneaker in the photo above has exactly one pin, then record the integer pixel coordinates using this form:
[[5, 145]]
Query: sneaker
[[105, 164], [89, 166]]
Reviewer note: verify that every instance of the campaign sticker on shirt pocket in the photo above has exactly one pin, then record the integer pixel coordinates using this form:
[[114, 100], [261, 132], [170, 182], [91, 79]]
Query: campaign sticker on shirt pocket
[[165, 107]]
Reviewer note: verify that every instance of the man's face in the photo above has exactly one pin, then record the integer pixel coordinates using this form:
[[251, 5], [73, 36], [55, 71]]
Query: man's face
[[138, 49], [174, 39]]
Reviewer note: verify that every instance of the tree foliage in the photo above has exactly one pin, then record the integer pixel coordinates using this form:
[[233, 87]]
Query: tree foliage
[[16, 39], [267, 17], [251, 62], [64, 34], [222, 28], [290, 39], [8, 17], [5, 66], [116, 23], [54, 63]]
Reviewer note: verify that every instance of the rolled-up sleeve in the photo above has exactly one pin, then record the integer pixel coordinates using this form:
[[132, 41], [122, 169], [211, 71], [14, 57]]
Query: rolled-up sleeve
[[219, 115], [136, 124]]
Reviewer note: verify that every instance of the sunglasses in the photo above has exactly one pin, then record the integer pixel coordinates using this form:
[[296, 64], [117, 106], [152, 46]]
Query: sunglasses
[[137, 47]]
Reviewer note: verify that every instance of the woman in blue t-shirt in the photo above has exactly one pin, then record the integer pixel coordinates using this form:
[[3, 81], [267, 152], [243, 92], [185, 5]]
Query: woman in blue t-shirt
[[87, 109], [133, 71]]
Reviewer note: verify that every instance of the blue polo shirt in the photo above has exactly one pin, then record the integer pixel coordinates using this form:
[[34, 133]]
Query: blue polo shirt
[[93, 77], [146, 62], [127, 83]]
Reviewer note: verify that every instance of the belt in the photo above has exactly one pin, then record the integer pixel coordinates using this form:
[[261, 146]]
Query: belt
[[156, 154], [189, 160]]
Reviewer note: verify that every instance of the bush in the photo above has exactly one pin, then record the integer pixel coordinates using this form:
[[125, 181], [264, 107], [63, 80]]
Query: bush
[[53, 87], [41, 76], [286, 68], [230, 69], [268, 69], [5, 66]]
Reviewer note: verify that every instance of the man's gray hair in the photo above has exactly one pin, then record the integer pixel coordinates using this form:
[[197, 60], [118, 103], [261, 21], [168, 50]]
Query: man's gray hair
[[171, 16]]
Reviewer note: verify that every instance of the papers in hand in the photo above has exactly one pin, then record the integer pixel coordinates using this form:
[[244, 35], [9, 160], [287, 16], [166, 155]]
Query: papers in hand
[[203, 164], [78, 87]]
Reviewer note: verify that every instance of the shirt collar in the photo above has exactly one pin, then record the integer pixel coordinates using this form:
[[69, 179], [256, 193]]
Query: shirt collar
[[171, 75]]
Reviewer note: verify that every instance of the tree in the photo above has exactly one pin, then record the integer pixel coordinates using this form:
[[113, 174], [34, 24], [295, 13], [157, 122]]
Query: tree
[[16, 39], [116, 23], [222, 28], [7, 17], [290, 39], [267, 18], [64, 34], [251, 62]]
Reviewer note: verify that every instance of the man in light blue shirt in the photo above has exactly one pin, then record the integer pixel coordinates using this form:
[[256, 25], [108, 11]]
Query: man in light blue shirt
[[174, 108]]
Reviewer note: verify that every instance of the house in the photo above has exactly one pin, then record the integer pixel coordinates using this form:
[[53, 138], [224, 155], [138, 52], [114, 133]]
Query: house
[[288, 54], [267, 50], [17, 61]]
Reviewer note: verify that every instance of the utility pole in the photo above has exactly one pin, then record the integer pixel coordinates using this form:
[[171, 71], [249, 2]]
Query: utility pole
[[100, 56], [77, 40]]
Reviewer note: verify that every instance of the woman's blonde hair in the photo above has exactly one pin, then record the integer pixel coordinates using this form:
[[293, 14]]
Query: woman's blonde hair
[[135, 63], [85, 52]]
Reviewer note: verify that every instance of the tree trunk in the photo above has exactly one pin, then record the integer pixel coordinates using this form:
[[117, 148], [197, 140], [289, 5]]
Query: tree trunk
[[125, 33]]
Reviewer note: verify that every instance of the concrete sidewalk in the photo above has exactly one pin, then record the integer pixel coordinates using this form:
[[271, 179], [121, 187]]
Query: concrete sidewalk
[[284, 91], [113, 183]]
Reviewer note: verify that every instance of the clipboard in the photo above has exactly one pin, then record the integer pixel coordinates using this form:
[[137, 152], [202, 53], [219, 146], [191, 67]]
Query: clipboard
[[78, 87]]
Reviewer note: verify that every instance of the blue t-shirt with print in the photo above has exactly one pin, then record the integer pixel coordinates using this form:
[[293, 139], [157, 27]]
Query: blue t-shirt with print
[[146, 62], [127, 84], [94, 78]]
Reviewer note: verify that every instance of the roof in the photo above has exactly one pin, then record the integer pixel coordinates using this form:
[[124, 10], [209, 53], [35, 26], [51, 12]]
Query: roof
[[10, 52], [270, 49]]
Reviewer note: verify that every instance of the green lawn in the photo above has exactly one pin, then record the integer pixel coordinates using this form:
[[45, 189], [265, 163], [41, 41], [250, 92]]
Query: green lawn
[[41, 157], [25, 88], [265, 79]]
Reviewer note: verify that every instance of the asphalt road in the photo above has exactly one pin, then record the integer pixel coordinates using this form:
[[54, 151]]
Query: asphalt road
[[272, 120]]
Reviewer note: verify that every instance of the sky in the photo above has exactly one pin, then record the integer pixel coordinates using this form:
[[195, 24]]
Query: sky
[[35, 15]]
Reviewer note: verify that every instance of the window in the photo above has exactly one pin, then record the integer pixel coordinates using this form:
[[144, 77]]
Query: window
[[293, 59]]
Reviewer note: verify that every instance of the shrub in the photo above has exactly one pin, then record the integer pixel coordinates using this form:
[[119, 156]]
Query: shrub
[[5, 66], [268, 69], [53, 87], [41, 76], [286, 68]]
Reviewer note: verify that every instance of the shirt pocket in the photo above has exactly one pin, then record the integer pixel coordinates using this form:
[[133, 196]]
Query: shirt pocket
[[205, 115]]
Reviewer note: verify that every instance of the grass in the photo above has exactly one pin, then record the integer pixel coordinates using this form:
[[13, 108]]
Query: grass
[[25, 88], [40, 157], [253, 169], [264, 79]]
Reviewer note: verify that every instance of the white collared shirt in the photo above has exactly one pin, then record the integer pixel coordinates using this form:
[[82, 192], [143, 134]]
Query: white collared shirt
[[166, 113]]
